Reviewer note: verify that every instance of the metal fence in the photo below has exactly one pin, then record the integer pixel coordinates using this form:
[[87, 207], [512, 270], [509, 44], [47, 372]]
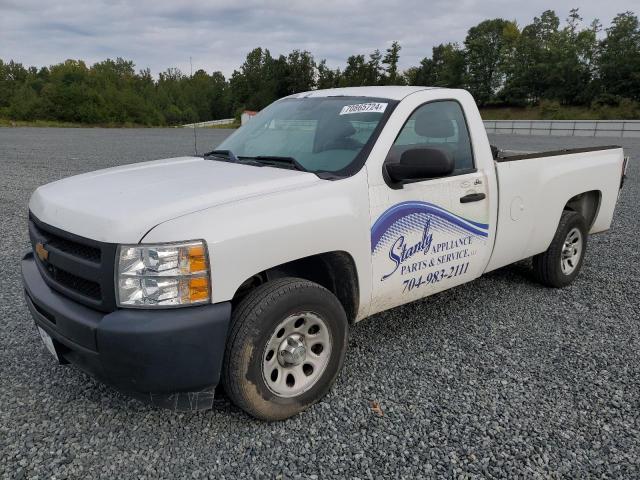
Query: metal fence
[[224, 121], [564, 128], [567, 128]]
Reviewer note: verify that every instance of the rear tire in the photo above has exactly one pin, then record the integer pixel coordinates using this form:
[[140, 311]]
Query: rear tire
[[561, 263], [286, 346]]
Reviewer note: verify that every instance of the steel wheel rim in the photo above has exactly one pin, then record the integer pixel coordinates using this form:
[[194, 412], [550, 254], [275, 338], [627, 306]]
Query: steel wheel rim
[[571, 251], [296, 355]]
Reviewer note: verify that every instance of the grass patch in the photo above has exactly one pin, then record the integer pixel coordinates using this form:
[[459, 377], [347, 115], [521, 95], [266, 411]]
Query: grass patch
[[227, 125], [555, 111], [6, 122]]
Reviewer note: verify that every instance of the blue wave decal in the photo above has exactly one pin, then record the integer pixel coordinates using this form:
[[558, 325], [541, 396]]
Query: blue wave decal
[[404, 209]]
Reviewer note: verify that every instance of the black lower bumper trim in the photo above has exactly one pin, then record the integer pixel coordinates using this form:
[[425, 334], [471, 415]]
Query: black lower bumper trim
[[170, 357], [184, 401]]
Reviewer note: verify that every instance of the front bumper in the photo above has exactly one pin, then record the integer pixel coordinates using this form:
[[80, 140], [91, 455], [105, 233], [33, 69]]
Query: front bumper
[[171, 358]]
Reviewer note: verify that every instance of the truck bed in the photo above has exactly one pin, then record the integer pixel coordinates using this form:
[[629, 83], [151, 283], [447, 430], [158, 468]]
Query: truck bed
[[533, 193]]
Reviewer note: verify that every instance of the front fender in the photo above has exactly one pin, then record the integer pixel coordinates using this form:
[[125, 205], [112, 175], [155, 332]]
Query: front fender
[[249, 236]]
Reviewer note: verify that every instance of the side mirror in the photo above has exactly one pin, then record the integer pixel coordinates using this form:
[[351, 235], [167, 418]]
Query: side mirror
[[420, 163]]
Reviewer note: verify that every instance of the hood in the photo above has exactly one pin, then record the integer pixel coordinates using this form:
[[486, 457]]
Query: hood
[[119, 205]]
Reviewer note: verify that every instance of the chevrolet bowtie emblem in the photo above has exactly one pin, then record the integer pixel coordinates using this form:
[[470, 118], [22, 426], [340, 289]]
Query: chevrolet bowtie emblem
[[42, 252]]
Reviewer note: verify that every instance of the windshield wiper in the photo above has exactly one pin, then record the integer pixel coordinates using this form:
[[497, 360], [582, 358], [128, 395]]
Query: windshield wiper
[[259, 161], [274, 160], [226, 154]]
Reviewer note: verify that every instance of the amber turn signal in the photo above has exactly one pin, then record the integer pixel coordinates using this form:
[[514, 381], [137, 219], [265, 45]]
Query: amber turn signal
[[198, 289], [197, 259]]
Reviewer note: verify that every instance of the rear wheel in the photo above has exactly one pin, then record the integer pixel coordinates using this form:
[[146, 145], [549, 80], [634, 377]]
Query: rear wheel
[[561, 263], [285, 349]]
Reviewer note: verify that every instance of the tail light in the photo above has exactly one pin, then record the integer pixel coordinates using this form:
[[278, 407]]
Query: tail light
[[625, 165]]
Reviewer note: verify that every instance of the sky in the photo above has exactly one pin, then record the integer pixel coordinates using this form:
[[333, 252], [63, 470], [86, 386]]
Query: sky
[[217, 35]]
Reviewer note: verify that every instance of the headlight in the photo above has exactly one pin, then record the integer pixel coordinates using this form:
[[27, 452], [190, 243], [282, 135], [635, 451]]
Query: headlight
[[165, 275]]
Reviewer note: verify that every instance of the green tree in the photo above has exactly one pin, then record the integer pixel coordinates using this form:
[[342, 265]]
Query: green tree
[[375, 70], [69, 95], [173, 97], [220, 97], [573, 54], [445, 68], [488, 46], [12, 76], [25, 104], [391, 59], [619, 59], [301, 72], [356, 73], [552, 63], [253, 85], [327, 78]]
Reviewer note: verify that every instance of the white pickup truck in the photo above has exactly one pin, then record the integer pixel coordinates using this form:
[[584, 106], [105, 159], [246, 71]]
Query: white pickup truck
[[245, 267]]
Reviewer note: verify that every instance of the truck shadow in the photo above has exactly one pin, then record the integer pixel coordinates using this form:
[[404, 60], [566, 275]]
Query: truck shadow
[[521, 271]]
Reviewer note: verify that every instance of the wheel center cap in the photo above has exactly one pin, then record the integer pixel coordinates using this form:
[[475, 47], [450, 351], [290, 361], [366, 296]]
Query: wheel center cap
[[292, 351]]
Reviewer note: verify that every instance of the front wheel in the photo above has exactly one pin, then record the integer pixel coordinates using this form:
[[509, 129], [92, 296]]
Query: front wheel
[[286, 347], [561, 263]]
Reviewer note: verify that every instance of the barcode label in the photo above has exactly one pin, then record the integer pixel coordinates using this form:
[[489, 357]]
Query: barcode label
[[363, 108]]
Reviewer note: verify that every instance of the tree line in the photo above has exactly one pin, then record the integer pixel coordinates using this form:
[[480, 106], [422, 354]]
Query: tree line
[[568, 63]]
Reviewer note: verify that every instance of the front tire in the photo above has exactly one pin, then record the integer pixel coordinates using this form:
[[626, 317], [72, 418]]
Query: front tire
[[561, 263], [286, 347]]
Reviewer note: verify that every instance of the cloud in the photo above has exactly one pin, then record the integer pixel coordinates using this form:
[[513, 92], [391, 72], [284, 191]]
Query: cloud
[[160, 33]]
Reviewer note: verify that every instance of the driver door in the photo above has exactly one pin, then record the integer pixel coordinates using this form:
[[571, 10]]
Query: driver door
[[430, 235]]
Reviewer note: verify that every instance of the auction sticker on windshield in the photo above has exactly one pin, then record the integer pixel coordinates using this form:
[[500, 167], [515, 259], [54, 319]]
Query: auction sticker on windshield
[[374, 107]]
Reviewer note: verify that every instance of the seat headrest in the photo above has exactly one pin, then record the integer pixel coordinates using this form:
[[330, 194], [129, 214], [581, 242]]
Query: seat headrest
[[330, 131], [428, 125], [339, 128]]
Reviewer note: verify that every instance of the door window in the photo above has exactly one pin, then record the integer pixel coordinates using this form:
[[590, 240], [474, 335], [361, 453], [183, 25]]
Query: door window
[[439, 125]]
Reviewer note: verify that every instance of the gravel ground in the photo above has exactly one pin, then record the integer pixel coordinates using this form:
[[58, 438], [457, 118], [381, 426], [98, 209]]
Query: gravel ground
[[497, 378]]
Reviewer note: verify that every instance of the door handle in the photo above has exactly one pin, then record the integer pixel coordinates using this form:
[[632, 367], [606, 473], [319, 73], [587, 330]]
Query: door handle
[[472, 197]]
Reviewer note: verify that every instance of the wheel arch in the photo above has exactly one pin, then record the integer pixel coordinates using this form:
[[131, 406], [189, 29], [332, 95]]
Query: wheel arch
[[586, 204], [336, 271]]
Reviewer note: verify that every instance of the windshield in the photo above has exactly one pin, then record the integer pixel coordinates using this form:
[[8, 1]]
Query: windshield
[[321, 134]]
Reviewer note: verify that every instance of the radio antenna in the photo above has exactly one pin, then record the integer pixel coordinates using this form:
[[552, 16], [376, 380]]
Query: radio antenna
[[195, 135]]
